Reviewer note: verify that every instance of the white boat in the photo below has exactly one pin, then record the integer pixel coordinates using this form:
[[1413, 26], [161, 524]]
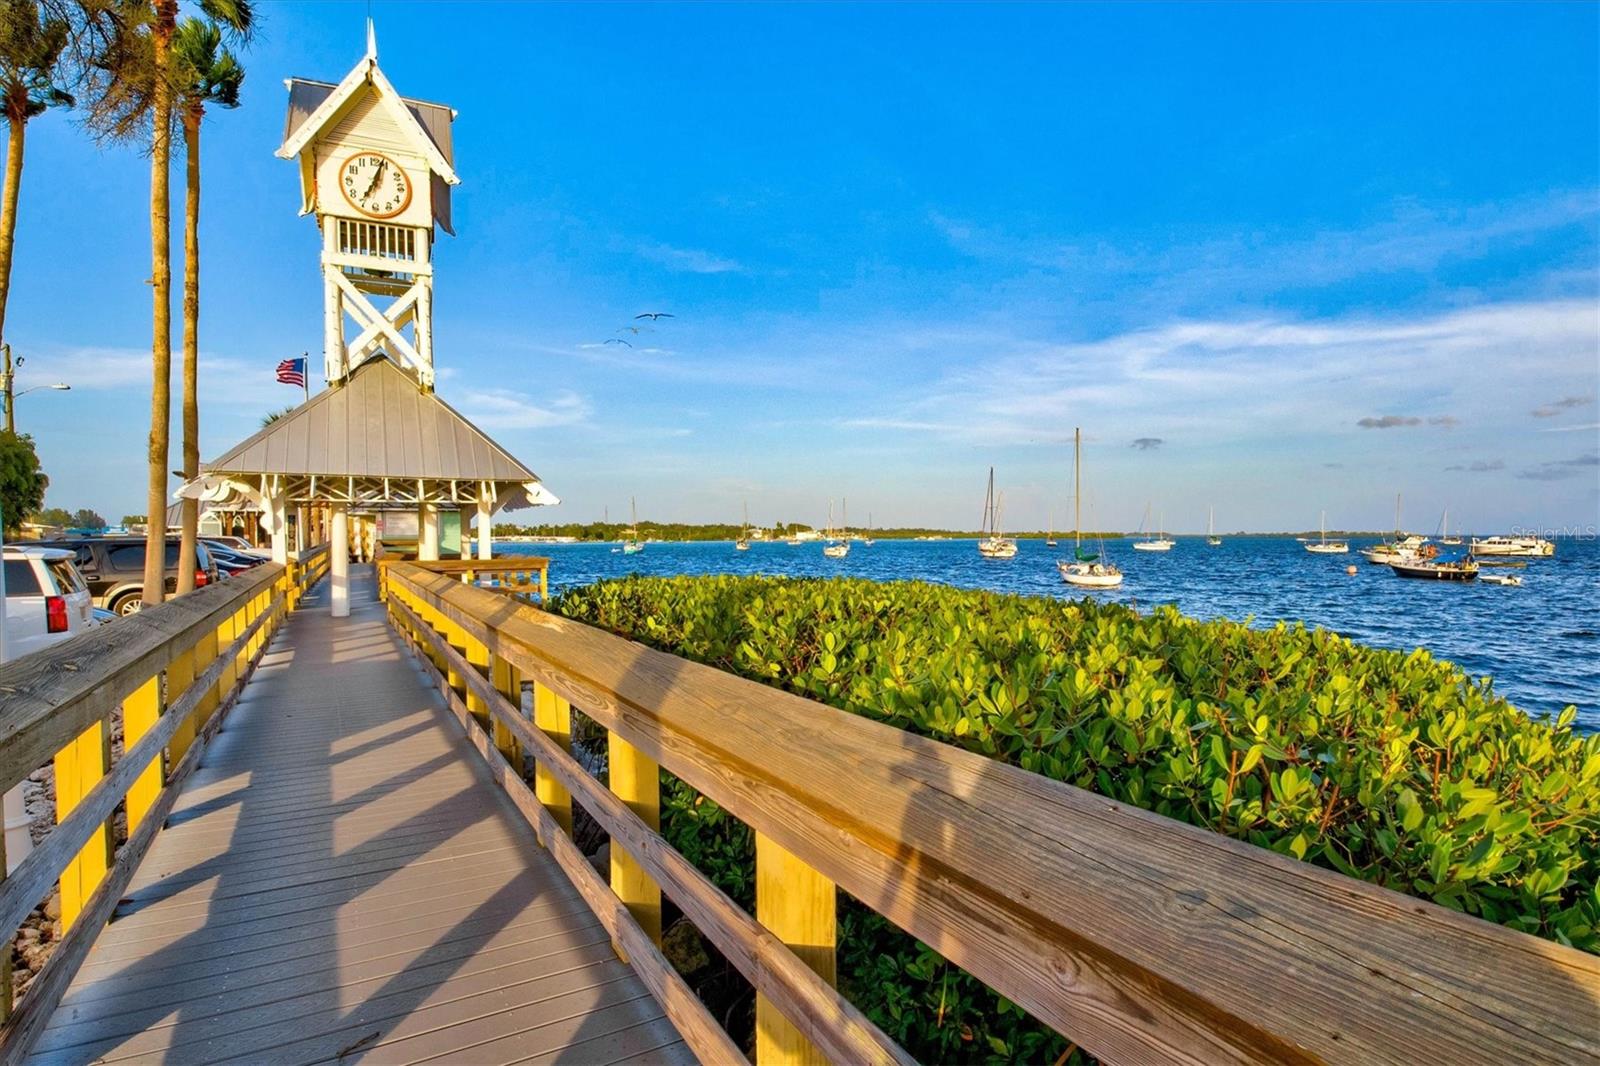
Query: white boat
[[994, 545], [1428, 570], [834, 548], [743, 543], [1211, 529], [1050, 534], [866, 539], [1509, 547], [633, 544], [1501, 579], [1405, 547], [1326, 546], [1088, 571], [1444, 530], [1153, 542]]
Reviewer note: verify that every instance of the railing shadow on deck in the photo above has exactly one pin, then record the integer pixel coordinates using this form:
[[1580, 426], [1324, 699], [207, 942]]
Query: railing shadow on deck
[[1137, 937]]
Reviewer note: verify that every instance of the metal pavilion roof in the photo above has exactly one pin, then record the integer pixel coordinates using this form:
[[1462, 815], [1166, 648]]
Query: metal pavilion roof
[[378, 424]]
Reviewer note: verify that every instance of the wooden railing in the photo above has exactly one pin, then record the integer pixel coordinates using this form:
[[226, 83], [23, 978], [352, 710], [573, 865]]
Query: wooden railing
[[172, 670], [519, 575], [1140, 938]]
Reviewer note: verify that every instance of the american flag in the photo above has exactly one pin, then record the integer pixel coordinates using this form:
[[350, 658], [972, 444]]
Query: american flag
[[292, 372]]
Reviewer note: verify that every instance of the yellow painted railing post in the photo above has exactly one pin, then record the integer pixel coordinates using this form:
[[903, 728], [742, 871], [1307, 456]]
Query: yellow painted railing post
[[456, 637], [140, 712], [636, 780], [478, 658], [798, 905], [544, 586], [553, 715], [205, 653], [508, 683], [79, 766], [180, 675]]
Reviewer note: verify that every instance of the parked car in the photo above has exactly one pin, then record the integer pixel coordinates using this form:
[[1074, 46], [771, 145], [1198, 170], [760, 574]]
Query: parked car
[[237, 545], [113, 567], [46, 598], [230, 561]]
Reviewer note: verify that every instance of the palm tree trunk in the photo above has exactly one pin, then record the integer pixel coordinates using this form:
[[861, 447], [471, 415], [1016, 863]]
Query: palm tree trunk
[[155, 555], [8, 207], [191, 342]]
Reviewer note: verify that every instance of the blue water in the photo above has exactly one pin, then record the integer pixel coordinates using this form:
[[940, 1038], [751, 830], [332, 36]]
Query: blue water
[[1540, 643]]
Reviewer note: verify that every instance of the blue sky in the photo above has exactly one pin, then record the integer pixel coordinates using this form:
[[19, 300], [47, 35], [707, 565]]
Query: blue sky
[[1274, 258]]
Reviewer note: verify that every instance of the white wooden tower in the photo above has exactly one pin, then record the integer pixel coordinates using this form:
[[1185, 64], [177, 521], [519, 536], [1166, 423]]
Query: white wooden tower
[[376, 170]]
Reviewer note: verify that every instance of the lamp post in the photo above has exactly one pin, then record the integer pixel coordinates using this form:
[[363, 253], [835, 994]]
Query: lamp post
[[8, 378]]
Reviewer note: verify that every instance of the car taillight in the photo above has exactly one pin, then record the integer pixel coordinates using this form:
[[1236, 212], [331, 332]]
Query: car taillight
[[55, 614], [199, 578]]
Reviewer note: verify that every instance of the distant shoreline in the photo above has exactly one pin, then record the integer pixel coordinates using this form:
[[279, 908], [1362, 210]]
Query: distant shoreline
[[650, 532]]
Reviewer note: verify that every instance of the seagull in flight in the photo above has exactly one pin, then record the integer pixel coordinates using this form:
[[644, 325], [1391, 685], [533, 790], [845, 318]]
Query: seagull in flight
[[655, 315], [618, 340]]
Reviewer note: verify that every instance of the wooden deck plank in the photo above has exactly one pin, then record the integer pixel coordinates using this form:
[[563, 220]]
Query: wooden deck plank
[[341, 868]]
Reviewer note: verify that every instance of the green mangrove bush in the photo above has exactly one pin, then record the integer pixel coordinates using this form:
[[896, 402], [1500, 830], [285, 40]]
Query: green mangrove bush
[[1395, 768]]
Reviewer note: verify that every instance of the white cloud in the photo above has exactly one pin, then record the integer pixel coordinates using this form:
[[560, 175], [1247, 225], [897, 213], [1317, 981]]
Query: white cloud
[[689, 260], [507, 409]]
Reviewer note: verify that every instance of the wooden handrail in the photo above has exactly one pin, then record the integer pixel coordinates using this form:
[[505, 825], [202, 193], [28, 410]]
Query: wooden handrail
[[1137, 936], [843, 1032], [198, 649]]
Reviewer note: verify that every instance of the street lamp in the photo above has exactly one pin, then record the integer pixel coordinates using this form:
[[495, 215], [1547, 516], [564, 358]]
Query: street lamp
[[8, 378]]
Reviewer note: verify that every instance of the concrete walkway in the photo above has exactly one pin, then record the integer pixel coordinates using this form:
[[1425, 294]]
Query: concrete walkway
[[341, 882]]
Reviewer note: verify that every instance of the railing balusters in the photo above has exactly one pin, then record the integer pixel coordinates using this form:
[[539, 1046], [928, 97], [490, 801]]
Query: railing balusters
[[140, 712], [78, 767], [798, 905], [553, 715], [508, 683], [635, 778]]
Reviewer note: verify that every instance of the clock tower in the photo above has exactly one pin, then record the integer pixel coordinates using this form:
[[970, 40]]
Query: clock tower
[[376, 171]]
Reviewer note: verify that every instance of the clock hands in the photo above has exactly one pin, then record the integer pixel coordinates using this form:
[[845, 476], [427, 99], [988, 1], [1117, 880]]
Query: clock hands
[[376, 177]]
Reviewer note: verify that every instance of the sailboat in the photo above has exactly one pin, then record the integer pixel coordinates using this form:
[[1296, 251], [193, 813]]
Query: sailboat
[[1211, 529], [1089, 570], [867, 541], [633, 544], [993, 545], [1444, 530], [1405, 547], [1050, 534], [1153, 542], [1326, 546], [743, 543], [835, 548]]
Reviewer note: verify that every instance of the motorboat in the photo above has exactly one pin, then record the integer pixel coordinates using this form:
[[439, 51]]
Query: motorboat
[[1501, 579], [1433, 570], [1513, 547]]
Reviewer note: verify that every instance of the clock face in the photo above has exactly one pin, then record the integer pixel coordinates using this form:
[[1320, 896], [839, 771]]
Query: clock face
[[375, 185]]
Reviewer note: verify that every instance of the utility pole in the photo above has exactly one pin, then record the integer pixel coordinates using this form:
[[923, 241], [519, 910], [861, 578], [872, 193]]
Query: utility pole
[[11, 421]]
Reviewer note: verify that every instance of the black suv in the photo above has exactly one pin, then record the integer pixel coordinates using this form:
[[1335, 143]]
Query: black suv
[[114, 568]]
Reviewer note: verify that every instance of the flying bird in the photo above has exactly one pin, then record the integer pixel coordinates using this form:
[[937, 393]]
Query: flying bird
[[654, 315], [635, 330], [618, 340]]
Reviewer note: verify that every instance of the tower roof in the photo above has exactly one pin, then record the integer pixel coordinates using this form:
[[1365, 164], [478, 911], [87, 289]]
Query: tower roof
[[378, 424]]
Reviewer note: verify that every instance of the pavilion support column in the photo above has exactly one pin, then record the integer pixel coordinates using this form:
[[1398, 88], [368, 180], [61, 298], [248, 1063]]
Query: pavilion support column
[[339, 562], [302, 536], [428, 532], [280, 529], [485, 531]]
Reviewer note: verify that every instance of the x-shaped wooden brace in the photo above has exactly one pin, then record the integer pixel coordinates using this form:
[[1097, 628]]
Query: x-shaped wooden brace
[[383, 327]]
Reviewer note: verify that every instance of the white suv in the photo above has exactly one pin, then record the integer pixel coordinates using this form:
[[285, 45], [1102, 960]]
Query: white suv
[[46, 599]]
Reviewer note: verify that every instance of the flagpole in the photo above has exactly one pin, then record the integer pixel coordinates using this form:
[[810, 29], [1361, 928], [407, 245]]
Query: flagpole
[[305, 378]]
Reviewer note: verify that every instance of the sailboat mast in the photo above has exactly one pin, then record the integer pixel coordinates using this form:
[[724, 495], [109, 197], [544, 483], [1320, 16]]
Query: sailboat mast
[[1077, 488]]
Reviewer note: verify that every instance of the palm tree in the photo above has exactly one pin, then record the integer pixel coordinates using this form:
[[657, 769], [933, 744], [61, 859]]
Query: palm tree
[[30, 58], [207, 73]]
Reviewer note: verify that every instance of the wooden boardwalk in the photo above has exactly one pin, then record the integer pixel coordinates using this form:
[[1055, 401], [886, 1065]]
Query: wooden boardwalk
[[340, 881]]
